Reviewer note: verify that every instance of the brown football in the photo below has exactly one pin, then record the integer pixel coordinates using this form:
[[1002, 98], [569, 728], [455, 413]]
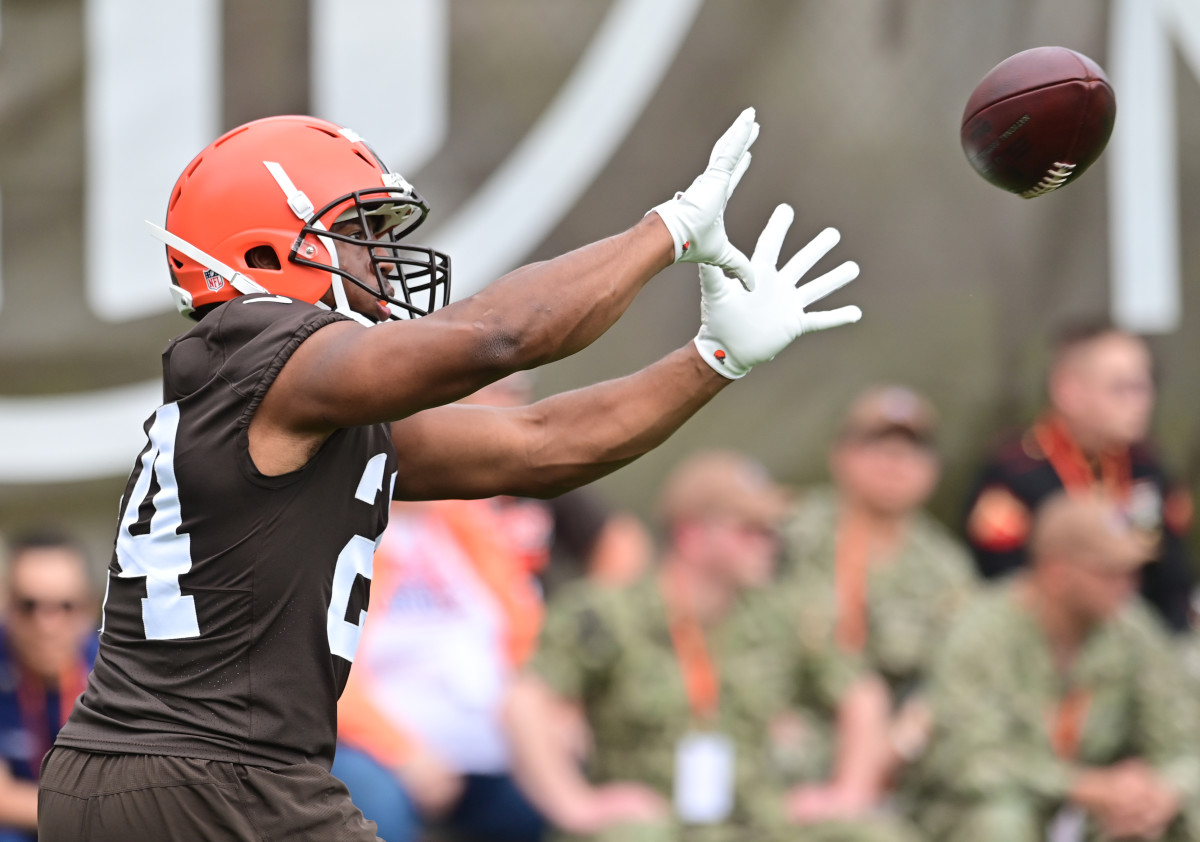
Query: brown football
[[1038, 119]]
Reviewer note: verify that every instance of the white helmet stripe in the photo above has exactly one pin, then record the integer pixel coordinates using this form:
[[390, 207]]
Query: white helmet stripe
[[297, 200], [242, 283]]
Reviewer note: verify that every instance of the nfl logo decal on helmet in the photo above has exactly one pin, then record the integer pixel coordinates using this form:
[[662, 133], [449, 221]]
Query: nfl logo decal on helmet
[[213, 280]]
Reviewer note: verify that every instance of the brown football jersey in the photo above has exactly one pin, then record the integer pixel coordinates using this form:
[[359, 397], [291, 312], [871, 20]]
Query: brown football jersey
[[234, 600]]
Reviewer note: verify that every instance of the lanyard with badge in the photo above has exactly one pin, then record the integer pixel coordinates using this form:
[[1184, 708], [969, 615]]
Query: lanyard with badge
[[704, 758], [1066, 732]]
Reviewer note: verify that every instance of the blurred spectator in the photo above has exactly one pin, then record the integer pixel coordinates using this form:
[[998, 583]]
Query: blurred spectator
[[892, 575], [678, 677], [1101, 393], [592, 540], [1059, 690], [49, 644], [455, 607]]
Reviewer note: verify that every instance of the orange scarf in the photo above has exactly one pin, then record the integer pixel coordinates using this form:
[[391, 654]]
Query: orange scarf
[[1074, 468]]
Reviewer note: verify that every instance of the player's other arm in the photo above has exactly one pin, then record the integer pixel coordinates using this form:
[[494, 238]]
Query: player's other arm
[[554, 445], [571, 439]]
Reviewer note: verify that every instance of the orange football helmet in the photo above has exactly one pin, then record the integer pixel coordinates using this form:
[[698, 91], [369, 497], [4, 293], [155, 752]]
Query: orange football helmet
[[282, 182]]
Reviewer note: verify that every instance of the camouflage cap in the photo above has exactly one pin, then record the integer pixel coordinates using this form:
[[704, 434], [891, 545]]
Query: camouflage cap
[[890, 409], [1088, 528], [720, 483]]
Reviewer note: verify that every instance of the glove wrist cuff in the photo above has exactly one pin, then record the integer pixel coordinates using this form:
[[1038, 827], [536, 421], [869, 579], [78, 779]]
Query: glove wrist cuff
[[718, 358], [666, 212]]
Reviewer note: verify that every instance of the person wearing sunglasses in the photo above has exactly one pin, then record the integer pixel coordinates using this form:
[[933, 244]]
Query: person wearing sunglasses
[[47, 646]]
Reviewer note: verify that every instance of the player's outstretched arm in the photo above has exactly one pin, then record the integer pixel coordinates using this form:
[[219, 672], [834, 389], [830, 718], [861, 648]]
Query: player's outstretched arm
[[571, 439], [554, 445], [345, 375]]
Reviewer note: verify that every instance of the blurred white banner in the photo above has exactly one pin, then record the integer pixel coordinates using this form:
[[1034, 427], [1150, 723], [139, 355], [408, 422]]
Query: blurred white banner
[[1143, 206]]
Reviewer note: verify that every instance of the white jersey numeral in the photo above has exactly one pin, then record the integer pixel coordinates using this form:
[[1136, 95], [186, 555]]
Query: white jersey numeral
[[356, 559], [161, 553]]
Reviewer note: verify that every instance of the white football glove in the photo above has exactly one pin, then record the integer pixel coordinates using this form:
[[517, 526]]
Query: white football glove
[[695, 217], [740, 329]]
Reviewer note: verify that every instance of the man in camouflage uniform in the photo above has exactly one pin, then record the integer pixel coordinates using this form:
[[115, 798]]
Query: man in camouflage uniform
[[679, 677], [891, 577], [1056, 699]]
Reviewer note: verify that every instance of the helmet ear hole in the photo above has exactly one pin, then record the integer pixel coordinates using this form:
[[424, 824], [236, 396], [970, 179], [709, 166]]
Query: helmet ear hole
[[263, 257]]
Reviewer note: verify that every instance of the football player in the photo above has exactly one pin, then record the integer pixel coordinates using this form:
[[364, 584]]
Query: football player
[[299, 405]]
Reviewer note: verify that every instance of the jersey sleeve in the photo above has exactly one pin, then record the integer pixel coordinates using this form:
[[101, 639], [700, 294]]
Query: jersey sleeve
[[252, 369]]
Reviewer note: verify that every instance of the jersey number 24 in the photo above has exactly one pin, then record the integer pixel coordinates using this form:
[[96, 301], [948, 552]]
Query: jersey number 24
[[161, 553]]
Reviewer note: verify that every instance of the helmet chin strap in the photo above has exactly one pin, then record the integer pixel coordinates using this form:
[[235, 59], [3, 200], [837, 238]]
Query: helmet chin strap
[[338, 283], [242, 283], [302, 207]]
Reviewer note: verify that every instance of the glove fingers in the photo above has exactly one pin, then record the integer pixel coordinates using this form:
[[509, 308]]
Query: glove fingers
[[713, 281], [754, 129], [734, 143], [832, 280], [738, 265], [825, 319], [770, 241], [739, 170], [804, 259]]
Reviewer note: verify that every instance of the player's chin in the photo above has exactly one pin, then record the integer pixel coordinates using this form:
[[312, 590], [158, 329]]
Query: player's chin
[[374, 310], [381, 313]]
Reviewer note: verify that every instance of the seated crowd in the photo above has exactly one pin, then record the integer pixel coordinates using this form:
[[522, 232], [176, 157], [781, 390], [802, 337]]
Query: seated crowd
[[825, 664]]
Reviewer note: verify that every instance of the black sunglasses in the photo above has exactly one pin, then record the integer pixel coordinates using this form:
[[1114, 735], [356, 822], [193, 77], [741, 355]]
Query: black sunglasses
[[27, 606]]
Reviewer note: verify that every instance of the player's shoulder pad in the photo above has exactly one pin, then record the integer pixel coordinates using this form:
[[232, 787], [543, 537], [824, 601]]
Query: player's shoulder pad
[[250, 315]]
